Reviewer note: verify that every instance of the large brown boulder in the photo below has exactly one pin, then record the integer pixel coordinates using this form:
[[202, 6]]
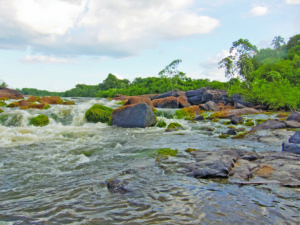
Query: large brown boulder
[[234, 112], [171, 102], [6, 93], [209, 106], [138, 99], [33, 99], [140, 115], [51, 100]]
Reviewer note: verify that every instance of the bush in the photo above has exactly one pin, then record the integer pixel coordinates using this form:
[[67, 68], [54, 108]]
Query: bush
[[39, 121], [99, 113]]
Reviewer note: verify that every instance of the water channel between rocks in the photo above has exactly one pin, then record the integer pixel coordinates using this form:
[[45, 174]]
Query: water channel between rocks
[[56, 174]]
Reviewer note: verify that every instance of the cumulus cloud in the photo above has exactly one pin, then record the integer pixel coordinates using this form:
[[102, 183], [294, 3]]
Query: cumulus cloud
[[259, 11], [292, 2], [104, 28], [46, 59]]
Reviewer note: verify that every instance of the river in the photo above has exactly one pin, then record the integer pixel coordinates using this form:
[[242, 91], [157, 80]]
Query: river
[[57, 174]]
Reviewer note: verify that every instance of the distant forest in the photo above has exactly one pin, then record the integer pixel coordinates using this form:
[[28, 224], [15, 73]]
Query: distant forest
[[269, 76]]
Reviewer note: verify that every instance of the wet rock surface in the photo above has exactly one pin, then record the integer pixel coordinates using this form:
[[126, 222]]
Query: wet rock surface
[[246, 168]]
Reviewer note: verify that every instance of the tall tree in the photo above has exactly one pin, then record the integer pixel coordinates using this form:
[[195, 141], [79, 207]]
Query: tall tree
[[277, 42], [171, 70], [240, 62]]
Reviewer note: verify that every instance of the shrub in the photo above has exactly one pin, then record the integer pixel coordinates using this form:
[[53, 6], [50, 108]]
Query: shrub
[[99, 113], [39, 121]]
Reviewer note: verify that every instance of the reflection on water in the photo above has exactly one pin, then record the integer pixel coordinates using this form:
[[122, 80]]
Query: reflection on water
[[56, 175]]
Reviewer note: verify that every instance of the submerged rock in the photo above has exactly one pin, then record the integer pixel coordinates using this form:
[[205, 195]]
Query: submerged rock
[[39, 121], [117, 186], [140, 115], [236, 120]]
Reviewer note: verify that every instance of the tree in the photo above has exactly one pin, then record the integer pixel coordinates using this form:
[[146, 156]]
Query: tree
[[170, 71], [3, 84], [240, 62], [277, 41]]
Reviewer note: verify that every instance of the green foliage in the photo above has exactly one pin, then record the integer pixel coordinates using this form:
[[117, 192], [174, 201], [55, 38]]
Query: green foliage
[[165, 152], [39, 121], [1, 110], [249, 123], [3, 84], [99, 113], [161, 124]]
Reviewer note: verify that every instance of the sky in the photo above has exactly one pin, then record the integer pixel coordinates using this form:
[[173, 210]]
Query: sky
[[55, 44]]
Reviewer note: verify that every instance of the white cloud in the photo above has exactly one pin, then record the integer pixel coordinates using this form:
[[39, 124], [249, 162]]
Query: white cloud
[[46, 59], [292, 2], [259, 11], [90, 27]]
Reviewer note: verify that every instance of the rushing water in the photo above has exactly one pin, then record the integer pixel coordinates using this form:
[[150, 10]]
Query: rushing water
[[56, 174]]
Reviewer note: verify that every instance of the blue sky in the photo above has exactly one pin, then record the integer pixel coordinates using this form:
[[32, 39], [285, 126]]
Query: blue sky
[[56, 44]]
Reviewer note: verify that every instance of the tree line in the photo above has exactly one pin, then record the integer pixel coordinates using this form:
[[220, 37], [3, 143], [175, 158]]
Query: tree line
[[267, 76]]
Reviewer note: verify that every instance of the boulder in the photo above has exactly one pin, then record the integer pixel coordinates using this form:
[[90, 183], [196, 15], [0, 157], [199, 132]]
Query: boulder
[[295, 138], [292, 124], [138, 99], [231, 131], [119, 97], [213, 164], [39, 121], [7, 93], [214, 95], [294, 116], [37, 106], [291, 147], [140, 115], [51, 100], [33, 99], [174, 93], [209, 106], [195, 96], [269, 124], [243, 111], [168, 102], [239, 101], [236, 120], [183, 102]]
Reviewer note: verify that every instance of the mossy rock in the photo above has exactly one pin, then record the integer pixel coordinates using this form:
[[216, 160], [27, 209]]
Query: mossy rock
[[249, 123], [240, 129], [2, 103], [231, 127], [165, 152], [99, 113], [174, 127], [68, 103], [240, 136], [214, 120], [282, 115], [39, 121], [223, 136], [227, 122], [185, 113], [188, 150], [13, 104], [161, 124], [259, 121], [33, 99], [1, 110]]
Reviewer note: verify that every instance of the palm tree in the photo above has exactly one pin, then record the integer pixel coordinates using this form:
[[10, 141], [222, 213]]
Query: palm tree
[[277, 41]]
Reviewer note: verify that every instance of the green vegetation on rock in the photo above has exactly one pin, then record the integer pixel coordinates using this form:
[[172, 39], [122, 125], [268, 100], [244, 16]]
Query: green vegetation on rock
[[174, 127], [165, 152], [223, 136], [1, 110], [99, 113], [185, 113], [2, 103], [249, 123], [161, 124], [39, 121]]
